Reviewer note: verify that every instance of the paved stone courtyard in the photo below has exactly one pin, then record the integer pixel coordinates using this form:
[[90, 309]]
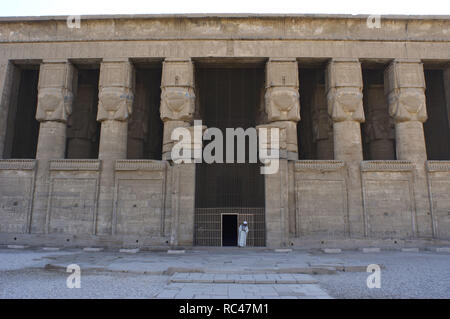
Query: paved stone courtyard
[[223, 273]]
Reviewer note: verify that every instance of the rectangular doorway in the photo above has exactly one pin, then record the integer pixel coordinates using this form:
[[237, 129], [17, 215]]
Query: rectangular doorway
[[229, 229]]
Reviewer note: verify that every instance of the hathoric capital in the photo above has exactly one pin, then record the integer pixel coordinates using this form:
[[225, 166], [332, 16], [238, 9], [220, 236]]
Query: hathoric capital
[[116, 90], [282, 98], [405, 91], [344, 90], [57, 82], [177, 90]]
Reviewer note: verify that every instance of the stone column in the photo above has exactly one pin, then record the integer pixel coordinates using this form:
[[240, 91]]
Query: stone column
[[114, 109], [57, 82], [283, 100], [405, 91], [277, 186], [322, 125], [345, 107], [282, 106], [176, 110], [177, 99], [379, 128]]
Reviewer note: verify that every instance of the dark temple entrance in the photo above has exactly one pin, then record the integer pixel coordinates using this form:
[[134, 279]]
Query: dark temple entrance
[[229, 229], [229, 98]]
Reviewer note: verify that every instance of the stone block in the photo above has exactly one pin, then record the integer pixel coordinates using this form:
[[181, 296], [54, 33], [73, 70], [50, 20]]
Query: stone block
[[370, 250], [175, 251], [129, 251], [51, 248], [17, 246], [92, 249], [332, 250]]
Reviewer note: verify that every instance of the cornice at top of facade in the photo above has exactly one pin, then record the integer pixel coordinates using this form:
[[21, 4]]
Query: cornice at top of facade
[[222, 16], [225, 27]]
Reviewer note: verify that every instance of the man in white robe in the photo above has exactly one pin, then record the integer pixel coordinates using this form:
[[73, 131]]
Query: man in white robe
[[243, 230]]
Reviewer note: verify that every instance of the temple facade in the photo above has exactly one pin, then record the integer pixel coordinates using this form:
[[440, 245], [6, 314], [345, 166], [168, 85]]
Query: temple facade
[[87, 112]]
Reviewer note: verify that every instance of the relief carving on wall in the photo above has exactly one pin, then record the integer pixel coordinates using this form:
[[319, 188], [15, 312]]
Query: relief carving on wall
[[379, 124], [322, 123]]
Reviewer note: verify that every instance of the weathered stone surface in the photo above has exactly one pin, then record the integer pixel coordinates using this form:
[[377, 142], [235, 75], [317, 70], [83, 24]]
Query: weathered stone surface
[[379, 127], [321, 199], [344, 90], [115, 90], [140, 198], [282, 97], [57, 81], [322, 124], [405, 90], [73, 196], [115, 201], [16, 187], [177, 98], [439, 181], [177, 95]]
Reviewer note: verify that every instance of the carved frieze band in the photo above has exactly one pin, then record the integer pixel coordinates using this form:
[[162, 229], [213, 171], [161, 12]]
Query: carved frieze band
[[438, 166], [140, 165], [17, 164], [329, 165], [75, 165], [396, 166]]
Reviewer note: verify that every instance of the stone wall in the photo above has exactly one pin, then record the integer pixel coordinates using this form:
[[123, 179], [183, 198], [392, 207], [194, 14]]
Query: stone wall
[[117, 201], [439, 189], [16, 200], [321, 199]]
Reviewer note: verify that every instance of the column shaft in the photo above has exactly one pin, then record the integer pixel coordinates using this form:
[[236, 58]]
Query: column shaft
[[344, 95], [405, 91], [177, 99], [282, 103], [177, 109], [57, 81], [52, 140], [114, 109]]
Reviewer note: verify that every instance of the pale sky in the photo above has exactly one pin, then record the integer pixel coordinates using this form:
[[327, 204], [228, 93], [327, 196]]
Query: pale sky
[[86, 7]]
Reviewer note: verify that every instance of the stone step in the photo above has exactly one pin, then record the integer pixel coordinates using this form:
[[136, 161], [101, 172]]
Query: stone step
[[242, 279]]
